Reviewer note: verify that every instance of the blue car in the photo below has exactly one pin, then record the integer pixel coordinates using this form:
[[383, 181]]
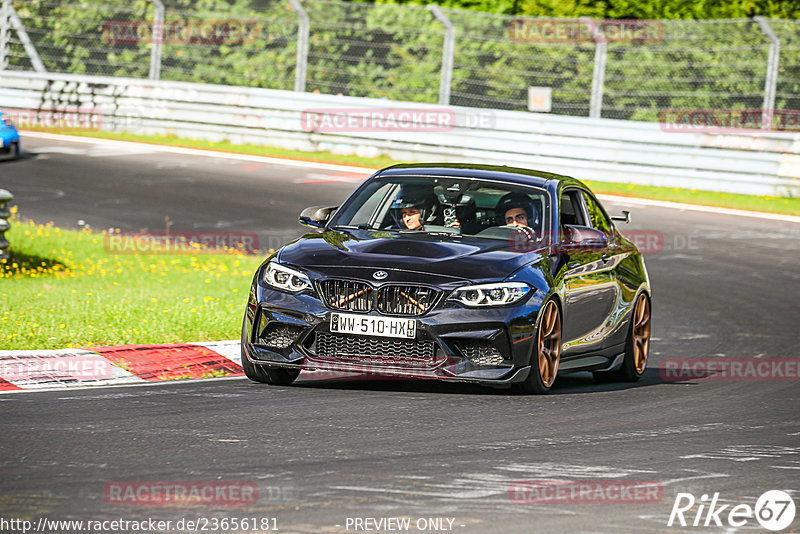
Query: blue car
[[9, 137]]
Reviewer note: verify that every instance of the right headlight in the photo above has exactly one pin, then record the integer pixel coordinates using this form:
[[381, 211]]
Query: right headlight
[[286, 279], [497, 294]]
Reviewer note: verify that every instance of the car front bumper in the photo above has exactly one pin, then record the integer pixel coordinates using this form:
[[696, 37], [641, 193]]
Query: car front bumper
[[490, 346]]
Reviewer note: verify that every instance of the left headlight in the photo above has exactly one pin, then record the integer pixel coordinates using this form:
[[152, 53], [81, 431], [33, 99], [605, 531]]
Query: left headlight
[[490, 294], [286, 279]]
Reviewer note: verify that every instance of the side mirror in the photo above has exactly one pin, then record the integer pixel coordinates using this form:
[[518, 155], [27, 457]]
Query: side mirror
[[625, 217], [316, 216], [582, 238]]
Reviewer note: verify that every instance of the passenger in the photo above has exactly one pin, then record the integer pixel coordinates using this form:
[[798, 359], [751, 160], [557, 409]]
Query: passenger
[[517, 209]]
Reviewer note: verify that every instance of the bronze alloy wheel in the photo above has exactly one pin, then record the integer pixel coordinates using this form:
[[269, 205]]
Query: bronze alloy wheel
[[641, 333], [548, 342]]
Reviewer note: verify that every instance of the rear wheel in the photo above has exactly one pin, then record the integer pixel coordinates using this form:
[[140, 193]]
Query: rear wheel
[[263, 374], [548, 352], [637, 346]]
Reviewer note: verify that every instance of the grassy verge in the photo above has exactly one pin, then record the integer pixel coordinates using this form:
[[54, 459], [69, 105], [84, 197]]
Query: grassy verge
[[783, 205], [788, 206], [63, 289]]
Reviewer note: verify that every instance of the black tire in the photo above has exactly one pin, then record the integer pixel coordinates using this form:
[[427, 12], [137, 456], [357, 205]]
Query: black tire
[[264, 374], [252, 371], [16, 153], [637, 346], [547, 355]]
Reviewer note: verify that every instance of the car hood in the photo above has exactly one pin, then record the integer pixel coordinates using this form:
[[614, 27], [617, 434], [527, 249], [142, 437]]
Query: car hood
[[350, 253]]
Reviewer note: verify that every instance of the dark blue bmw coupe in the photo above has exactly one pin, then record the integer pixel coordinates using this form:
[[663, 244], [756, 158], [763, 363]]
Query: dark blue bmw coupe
[[471, 273]]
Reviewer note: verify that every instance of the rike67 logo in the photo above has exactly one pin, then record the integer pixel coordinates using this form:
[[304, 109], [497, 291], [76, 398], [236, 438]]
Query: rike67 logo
[[774, 510]]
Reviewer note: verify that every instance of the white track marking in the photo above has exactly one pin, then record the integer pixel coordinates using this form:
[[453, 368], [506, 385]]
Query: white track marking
[[230, 349], [206, 153], [367, 171], [695, 207], [746, 453]]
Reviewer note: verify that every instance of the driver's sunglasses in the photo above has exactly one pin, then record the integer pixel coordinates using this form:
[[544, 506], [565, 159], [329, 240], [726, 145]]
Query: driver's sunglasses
[[520, 217]]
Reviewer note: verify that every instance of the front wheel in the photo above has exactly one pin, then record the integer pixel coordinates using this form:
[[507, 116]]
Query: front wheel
[[548, 352], [263, 374]]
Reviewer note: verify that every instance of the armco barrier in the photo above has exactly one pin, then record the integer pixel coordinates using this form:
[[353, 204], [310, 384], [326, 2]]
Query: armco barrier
[[592, 149]]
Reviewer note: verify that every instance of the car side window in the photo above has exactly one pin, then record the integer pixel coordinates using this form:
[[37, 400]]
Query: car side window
[[570, 210], [599, 219]]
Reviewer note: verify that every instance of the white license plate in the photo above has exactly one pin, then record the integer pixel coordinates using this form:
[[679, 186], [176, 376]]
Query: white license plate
[[368, 325]]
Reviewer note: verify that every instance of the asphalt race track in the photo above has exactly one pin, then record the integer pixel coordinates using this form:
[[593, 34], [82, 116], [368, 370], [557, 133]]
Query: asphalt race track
[[321, 452]]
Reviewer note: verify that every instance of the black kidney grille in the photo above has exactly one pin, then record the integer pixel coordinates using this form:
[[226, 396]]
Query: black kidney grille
[[367, 349], [405, 300], [347, 295], [350, 295]]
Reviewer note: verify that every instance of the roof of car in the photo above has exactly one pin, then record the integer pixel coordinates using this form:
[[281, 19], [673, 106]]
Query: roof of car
[[470, 170]]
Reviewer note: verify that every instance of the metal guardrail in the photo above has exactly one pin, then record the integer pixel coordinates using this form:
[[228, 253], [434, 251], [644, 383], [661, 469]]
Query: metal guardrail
[[591, 149], [621, 69], [5, 213]]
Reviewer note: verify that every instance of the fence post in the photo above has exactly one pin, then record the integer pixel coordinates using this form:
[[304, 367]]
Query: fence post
[[303, 26], [448, 51], [158, 40], [5, 213], [33, 55], [599, 72], [771, 81], [5, 33]]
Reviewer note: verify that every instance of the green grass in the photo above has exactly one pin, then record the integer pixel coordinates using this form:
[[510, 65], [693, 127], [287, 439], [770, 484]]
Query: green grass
[[61, 288], [784, 205]]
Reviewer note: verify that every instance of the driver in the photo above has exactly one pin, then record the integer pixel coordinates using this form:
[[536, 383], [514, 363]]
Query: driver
[[414, 206], [517, 209]]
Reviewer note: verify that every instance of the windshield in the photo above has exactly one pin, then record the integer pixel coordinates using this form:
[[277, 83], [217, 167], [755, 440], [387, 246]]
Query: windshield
[[454, 206]]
